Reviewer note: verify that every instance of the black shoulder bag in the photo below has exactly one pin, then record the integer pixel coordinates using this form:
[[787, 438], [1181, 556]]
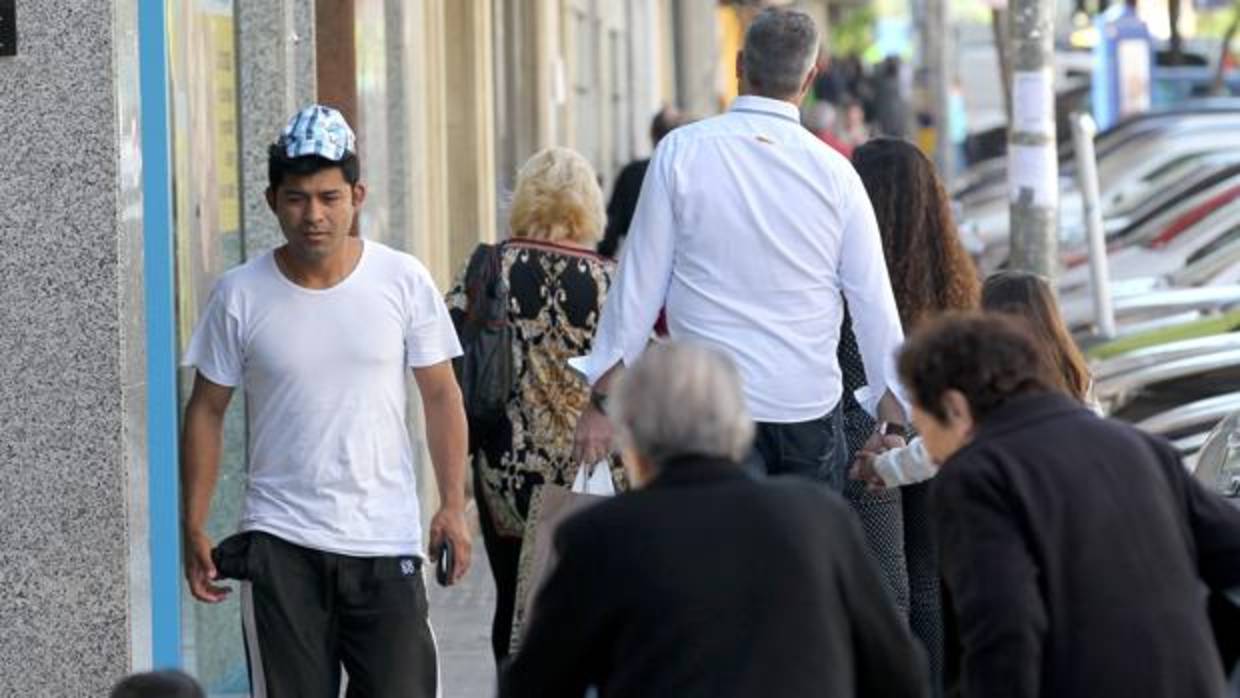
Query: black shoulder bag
[[485, 368]]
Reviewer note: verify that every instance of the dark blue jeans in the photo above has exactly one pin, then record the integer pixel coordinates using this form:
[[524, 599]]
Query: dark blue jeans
[[815, 449]]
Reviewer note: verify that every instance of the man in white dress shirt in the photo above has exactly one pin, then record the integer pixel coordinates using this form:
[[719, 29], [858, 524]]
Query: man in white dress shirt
[[752, 232]]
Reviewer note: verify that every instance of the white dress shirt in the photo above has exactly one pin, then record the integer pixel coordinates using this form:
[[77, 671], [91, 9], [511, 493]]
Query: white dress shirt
[[748, 228]]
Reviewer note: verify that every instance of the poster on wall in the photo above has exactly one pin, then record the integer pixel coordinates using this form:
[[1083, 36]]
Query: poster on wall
[[1133, 57]]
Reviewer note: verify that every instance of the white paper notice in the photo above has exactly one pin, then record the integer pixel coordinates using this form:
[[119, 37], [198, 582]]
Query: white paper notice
[[1033, 174], [1033, 101]]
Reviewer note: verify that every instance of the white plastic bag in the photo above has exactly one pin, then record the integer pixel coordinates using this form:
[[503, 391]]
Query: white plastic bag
[[597, 482]]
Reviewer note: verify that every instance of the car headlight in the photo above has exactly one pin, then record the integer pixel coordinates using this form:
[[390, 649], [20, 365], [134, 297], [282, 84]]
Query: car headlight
[[1218, 465]]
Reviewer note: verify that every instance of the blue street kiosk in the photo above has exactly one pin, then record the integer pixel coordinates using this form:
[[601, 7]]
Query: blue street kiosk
[[1123, 65]]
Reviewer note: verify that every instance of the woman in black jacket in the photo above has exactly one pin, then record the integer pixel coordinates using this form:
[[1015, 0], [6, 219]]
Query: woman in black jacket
[[1076, 548]]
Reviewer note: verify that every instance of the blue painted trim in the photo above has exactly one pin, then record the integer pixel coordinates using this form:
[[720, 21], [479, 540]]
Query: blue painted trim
[[161, 340]]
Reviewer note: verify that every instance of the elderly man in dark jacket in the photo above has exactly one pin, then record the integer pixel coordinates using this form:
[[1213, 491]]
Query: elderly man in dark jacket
[[1077, 550], [705, 582]]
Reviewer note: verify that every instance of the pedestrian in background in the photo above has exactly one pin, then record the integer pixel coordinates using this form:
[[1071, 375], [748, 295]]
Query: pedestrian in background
[[1077, 549], [322, 333], [705, 581], [556, 286], [752, 231], [629, 185], [931, 273], [822, 119], [892, 113], [157, 684], [1031, 299], [853, 130], [1028, 299]]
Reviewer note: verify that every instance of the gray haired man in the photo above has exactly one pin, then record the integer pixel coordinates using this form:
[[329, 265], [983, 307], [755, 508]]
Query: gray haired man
[[704, 581], [751, 232]]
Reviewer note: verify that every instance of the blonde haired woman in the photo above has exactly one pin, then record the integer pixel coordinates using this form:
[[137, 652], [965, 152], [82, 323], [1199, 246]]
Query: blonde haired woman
[[556, 288]]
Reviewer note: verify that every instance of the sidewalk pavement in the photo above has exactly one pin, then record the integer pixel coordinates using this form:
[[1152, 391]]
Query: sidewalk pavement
[[461, 617]]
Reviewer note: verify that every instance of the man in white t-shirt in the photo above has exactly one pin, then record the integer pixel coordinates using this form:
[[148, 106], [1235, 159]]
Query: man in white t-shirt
[[319, 332]]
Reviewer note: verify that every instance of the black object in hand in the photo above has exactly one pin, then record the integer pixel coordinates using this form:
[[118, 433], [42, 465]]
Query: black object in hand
[[232, 557], [446, 565]]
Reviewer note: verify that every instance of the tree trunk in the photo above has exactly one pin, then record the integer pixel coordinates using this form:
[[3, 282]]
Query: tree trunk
[[1220, 70], [1177, 41], [1033, 167], [936, 54], [998, 25]]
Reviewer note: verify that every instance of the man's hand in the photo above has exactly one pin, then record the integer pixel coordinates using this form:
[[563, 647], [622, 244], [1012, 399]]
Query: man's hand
[[863, 470], [449, 524], [879, 443], [863, 467], [592, 440], [200, 570], [448, 434]]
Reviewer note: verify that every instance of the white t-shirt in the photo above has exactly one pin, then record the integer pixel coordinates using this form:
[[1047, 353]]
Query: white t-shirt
[[330, 459]]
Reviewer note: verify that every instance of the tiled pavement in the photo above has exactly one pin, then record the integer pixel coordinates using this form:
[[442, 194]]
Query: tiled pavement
[[461, 616]]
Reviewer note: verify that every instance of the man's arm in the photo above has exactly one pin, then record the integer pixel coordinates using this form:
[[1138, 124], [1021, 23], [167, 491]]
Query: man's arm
[[592, 440], [638, 292], [867, 288], [993, 580], [448, 435], [200, 466]]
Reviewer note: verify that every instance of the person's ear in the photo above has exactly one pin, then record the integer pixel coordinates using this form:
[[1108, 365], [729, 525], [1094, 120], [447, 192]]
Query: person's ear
[[271, 199], [809, 82], [959, 413], [359, 194], [740, 65]]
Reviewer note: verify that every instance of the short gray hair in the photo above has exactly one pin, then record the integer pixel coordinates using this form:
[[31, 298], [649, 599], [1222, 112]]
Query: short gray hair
[[781, 47], [681, 399]]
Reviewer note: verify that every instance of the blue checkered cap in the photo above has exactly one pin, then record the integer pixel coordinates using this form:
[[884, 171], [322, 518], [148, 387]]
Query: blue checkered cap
[[318, 130]]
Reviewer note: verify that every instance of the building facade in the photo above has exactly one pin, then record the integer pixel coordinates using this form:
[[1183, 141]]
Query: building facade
[[134, 135]]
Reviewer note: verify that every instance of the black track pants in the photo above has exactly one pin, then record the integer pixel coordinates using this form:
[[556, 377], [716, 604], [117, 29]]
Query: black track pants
[[309, 614]]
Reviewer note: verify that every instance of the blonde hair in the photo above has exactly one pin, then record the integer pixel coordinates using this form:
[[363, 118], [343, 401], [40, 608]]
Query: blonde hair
[[557, 197]]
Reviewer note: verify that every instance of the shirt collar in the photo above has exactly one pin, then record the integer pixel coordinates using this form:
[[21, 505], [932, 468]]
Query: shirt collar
[[752, 104]]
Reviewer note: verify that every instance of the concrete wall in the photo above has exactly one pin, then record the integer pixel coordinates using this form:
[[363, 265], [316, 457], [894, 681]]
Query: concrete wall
[[75, 609]]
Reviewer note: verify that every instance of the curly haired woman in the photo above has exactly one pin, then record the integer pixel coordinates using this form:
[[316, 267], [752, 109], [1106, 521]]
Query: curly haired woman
[[931, 273]]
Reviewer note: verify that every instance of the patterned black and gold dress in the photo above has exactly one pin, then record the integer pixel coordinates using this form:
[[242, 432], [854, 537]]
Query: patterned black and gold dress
[[556, 294]]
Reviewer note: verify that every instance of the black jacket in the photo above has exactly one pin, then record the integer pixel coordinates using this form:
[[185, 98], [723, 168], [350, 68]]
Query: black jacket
[[1078, 551], [709, 583], [622, 205]]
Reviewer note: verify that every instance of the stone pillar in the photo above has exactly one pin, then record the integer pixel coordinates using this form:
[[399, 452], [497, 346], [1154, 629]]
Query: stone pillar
[[429, 152], [74, 559], [551, 84], [470, 126], [645, 70], [275, 56], [518, 102], [697, 60]]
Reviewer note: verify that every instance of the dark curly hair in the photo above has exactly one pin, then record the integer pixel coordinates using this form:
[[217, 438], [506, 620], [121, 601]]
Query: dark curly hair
[[989, 357], [930, 270]]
